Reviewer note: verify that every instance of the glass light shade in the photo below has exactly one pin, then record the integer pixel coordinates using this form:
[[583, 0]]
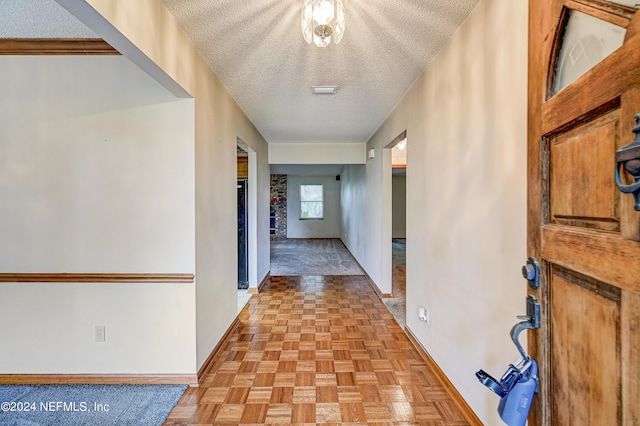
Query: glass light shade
[[323, 21]]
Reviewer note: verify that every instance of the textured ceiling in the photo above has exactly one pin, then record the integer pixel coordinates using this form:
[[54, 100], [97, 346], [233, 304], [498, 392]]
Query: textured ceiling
[[39, 19], [256, 49]]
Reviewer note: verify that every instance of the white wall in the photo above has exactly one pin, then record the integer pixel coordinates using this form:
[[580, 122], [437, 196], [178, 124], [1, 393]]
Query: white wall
[[317, 153], [399, 207], [49, 328], [329, 226], [219, 122], [96, 175], [262, 182], [355, 214], [258, 218], [362, 219], [466, 184]]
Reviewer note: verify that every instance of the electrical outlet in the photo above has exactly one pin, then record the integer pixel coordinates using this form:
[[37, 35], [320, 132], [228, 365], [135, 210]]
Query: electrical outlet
[[423, 315], [99, 333]]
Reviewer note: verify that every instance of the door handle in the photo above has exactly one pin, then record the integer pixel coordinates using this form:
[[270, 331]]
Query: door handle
[[529, 321], [629, 157], [517, 386]]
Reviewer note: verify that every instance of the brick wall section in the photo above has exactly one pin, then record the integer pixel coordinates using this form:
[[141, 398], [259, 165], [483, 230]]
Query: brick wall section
[[278, 207]]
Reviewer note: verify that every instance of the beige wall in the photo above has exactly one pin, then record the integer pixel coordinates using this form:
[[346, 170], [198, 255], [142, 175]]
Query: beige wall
[[466, 181], [96, 175], [149, 27]]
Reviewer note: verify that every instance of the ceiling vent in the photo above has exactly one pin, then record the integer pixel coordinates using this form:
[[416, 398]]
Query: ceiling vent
[[324, 90]]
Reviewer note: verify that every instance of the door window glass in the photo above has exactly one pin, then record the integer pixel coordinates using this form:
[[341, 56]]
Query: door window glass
[[630, 3], [586, 41]]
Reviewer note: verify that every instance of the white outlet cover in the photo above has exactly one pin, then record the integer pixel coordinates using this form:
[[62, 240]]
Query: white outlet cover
[[99, 333]]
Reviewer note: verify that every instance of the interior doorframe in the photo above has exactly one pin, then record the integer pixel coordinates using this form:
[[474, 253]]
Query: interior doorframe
[[252, 216], [387, 214]]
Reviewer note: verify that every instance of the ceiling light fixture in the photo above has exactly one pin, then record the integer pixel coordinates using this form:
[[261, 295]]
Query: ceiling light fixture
[[323, 21], [324, 90], [402, 144]]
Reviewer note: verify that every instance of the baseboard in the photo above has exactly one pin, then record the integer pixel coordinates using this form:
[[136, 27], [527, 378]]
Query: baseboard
[[462, 405], [98, 379], [214, 353], [376, 289], [314, 238], [373, 284], [256, 290], [264, 282]]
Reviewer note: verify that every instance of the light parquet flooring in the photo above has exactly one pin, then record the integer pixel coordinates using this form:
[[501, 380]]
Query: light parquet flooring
[[317, 350]]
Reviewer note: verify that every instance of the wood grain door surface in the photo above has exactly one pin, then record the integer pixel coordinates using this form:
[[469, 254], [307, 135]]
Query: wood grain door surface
[[582, 229]]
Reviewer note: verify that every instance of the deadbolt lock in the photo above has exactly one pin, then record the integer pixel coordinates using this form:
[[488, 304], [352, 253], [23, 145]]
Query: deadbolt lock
[[531, 272]]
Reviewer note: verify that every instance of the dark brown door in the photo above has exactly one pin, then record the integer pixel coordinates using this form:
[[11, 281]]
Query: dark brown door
[[584, 91]]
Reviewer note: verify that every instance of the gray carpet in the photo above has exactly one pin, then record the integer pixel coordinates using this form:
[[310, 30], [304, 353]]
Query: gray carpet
[[79, 405], [312, 257]]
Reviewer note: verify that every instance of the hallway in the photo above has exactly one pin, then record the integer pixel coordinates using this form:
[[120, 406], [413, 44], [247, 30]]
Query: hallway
[[317, 350]]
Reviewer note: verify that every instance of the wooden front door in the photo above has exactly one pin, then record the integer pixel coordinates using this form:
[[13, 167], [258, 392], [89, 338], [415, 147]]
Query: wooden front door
[[584, 91]]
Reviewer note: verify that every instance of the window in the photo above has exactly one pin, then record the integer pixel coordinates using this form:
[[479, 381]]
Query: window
[[311, 203]]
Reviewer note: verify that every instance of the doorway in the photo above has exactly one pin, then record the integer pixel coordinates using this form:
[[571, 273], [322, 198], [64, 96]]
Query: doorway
[[398, 164], [243, 255], [247, 222]]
